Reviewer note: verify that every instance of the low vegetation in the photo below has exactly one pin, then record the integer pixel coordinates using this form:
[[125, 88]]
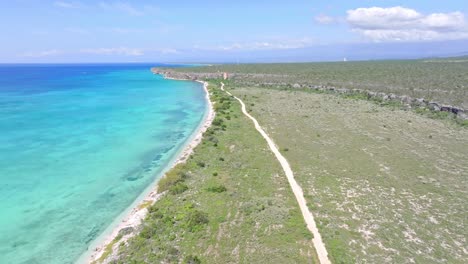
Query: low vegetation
[[230, 203], [217, 189], [443, 80], [174, 177], [386, 185]]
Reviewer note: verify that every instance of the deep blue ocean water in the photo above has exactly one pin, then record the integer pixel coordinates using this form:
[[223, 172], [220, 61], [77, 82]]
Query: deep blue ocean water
[[78, 144]]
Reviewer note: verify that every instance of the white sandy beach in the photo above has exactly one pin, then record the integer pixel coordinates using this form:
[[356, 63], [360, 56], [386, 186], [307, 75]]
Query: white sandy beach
[[132, 218]]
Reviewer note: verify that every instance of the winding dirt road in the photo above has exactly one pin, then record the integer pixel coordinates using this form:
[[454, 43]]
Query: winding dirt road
[[297, 190]]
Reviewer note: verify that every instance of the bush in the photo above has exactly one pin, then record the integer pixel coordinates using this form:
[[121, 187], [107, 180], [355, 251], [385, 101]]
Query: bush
[[195, 220], [192, 260], [222, 106], [463, 123], [172, 254], [213, 139], [201, 164], [253, 206], [178, 188], [217, 189], [210, 131], [171, 178], [217, 122], [147, 232]]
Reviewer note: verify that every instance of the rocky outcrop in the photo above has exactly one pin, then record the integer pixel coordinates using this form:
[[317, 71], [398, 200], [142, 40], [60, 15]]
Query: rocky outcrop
[[403, 99], [126, 230], [186, 75], [406, 100]]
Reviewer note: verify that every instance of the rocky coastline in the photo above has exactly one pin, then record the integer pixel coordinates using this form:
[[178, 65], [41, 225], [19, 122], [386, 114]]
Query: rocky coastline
[[405, 100]]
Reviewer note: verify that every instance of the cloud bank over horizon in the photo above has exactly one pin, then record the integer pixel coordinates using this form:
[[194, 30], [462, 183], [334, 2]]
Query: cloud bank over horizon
[[405, 24], [113, 30]]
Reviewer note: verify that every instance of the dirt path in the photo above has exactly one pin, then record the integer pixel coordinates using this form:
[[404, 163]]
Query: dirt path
[[297, 190]]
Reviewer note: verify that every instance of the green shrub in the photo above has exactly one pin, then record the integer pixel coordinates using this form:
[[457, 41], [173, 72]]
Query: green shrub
[[195, 220], [223, 104], [217, 121], [213, 139], [178, 188], [201, 164], [253, 206], [171, 178], [147, 232], [217, 189], [172, 254], [192, 260], [463, 123], [210, 131]]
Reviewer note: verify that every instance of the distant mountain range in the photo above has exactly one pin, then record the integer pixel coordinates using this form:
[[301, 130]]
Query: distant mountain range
[[334, 52]]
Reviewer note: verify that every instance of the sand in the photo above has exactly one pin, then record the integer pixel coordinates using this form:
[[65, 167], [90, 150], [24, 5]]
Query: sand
[[135, 216]]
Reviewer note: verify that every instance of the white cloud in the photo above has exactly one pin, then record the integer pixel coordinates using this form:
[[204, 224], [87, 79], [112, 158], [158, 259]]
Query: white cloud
[[405, 24], [168, 51], [448, 21], [324, 19], [377, 18], [114, 51], [40, 54], [262, 45], [66, 4], [122, 7]]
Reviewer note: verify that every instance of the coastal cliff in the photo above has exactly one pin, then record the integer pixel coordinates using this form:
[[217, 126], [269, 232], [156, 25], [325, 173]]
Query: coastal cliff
[[171, 74], [246, 79]]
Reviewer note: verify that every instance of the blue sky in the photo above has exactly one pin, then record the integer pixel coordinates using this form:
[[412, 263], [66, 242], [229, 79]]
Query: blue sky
[[208, 30]]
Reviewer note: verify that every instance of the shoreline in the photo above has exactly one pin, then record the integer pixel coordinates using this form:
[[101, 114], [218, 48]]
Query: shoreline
[[133, 216]]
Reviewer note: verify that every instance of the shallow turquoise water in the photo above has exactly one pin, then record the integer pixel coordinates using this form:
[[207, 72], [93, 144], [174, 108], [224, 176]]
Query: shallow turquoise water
[[78, 144]]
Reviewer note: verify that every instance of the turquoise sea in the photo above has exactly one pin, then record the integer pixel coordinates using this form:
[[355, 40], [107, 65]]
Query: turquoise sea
[[78, 145]]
